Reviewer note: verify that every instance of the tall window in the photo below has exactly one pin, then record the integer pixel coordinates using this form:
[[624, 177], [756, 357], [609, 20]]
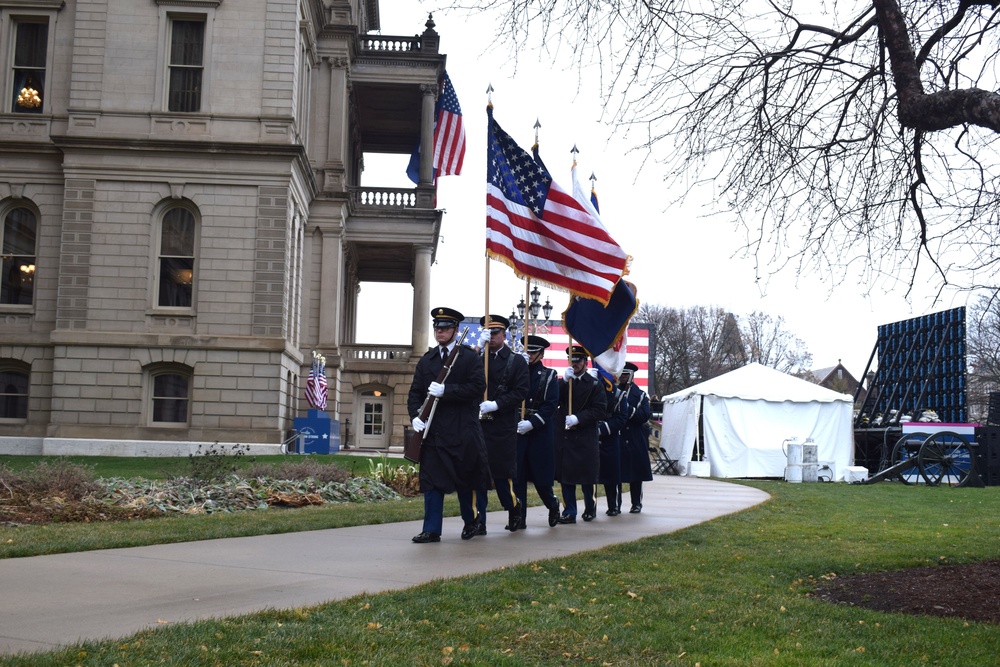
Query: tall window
[[171, 391], [187, 53], [176, 278], [17, 266], [30, 47], [13, 393]]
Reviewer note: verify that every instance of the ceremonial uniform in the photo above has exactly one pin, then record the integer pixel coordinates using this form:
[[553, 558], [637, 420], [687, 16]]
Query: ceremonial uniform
[[636, 468], [535, 448], [453, 454], [610, 430], [499, 413], [576, 441]]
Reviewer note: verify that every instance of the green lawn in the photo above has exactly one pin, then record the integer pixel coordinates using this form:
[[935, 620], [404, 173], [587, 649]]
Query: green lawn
[[730, 592]]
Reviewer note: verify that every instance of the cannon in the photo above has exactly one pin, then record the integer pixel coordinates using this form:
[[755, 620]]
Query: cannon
[[936, 458]]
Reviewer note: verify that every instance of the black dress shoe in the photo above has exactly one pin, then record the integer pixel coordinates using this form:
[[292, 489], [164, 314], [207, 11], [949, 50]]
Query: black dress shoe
[[425, 537], [612, 511], [588, 515], [635, 509], [567, 519], [472, 529], [513, 519], [554, 515]]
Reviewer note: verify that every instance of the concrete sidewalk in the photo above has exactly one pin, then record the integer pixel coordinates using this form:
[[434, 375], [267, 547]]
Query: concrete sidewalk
[[53, 601]]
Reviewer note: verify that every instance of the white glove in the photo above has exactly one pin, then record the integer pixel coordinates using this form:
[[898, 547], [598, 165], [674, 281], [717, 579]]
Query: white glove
[[436, 389], [568, 373], [487, 407], [571, 421], [484, 338], [524, 426], [592, 372], [418, 424]]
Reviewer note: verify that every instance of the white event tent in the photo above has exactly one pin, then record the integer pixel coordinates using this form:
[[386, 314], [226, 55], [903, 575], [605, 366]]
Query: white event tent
[[747, 414]]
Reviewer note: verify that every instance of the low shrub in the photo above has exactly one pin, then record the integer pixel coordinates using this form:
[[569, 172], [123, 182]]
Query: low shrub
[[297, 470]]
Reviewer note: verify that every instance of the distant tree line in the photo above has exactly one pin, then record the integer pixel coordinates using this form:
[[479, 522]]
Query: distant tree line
[[698, 343]]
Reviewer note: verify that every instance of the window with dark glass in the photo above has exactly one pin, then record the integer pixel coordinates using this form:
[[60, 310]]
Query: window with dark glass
[[170, 398], [176, 277], [187, 50], [17, 266], [13, 394], [30, 48]]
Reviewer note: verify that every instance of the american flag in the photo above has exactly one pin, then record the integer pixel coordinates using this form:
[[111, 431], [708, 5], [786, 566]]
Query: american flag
[[449, 132], [316, 389], [540, 230], [637, 350]]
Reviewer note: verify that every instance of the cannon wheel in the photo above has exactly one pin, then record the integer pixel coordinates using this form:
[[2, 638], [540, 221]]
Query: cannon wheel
[[904, 449], [945, 455]]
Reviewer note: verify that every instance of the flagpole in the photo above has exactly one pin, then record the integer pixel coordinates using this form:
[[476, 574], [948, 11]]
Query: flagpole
[[524, 334], [486, 324]]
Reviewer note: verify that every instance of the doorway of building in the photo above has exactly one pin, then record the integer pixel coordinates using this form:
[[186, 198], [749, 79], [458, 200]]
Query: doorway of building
[[373, 429]]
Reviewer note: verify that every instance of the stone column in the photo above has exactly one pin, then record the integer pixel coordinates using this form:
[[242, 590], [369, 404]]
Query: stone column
[[331, 278], [337, 127], [421, 298], [427, 134]]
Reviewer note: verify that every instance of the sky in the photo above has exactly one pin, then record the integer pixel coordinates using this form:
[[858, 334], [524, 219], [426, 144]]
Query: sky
[[682, 256]]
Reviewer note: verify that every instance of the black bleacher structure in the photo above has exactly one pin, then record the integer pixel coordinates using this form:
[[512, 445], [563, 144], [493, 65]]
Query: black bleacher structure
[[921, 366]]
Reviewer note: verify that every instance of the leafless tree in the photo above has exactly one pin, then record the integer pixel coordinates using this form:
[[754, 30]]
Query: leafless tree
[[849, 138], [982, 349], [768, 342], [692, 345]]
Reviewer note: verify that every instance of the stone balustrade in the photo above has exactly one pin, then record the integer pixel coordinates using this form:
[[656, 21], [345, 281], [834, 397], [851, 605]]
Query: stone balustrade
[[375, 352], [391, 44], [400, 197]]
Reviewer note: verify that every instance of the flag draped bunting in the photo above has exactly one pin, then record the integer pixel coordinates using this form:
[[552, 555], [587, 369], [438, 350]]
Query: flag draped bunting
[[540, 230], [316, 388], [449, 136]]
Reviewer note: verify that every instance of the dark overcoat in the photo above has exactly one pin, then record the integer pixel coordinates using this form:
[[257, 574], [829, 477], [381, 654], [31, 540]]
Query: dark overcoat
[[508, 386], [635, 438], [453, 455], [535, 450], [610, 430], [578, 448]]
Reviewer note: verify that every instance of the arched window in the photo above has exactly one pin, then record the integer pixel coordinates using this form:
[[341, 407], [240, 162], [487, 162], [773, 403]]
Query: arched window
[[170, 392], [14, 384], [17, 275], [176, 259]]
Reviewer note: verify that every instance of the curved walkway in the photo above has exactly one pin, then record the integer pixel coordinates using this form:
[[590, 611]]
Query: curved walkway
[[53, 601]]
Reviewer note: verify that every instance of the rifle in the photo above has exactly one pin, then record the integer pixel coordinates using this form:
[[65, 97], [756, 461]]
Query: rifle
[[411, 447]]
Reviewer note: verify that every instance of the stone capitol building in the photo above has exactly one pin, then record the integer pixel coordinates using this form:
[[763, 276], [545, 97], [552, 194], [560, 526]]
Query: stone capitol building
[[182, 221]]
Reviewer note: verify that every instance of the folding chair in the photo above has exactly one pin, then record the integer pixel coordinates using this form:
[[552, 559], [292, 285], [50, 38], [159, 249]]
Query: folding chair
[[662, 464]]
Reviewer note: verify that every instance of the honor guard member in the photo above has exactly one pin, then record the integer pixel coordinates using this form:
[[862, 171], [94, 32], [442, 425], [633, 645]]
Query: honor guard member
[[610, 430], [535, 454], [635, 438], [507, 380], [582, 405], [453, 454]]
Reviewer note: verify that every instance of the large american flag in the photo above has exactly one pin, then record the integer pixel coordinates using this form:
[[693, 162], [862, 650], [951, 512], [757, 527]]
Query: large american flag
[[449, 132], [637, 346], [316, 389], [539, 229]]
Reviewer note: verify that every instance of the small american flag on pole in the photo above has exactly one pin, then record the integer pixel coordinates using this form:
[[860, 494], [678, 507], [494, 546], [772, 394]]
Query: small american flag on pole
[[316, 389]]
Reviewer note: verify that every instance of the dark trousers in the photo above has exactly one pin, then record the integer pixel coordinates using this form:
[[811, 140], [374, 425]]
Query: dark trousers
[[614, 494], [433, 511], [635, 493], [468, 502], [505, 494], [569, 498], [544, 492]]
